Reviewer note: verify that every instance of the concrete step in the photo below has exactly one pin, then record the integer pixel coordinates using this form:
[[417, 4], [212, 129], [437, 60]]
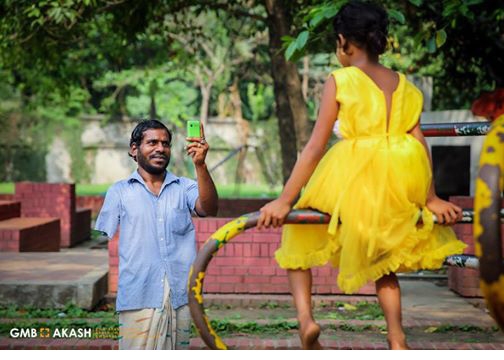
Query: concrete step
[[10, 209], [52, 280], [30, 234]]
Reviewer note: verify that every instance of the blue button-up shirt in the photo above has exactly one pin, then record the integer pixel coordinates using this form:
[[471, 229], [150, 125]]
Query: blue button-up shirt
[[156, 238]]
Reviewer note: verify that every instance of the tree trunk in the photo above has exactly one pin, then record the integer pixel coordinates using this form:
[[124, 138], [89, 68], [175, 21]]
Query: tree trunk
[[152, 108], [153, 88], [205, 102], [242, 130], [290, 105]]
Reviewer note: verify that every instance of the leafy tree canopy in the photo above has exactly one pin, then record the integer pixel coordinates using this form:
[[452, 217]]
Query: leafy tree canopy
[[458, 42]]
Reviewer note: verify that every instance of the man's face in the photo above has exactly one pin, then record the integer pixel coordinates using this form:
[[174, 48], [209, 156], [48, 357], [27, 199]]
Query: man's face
[[153, 155]]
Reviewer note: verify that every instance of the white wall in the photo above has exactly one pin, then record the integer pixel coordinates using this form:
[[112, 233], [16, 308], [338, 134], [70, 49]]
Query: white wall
[[475, 142]]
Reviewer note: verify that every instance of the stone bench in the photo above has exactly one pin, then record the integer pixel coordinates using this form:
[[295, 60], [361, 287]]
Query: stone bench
[[30, 234]]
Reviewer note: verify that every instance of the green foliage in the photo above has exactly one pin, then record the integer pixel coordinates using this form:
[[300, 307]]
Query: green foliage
[[260, 101], [397, 15], [173, 95]]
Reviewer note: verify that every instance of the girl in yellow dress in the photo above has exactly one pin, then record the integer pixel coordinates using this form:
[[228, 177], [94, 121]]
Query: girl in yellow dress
[[376, 183]]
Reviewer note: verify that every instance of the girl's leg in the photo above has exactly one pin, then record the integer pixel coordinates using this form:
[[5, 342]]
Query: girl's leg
[[389, 297], [300, 283]]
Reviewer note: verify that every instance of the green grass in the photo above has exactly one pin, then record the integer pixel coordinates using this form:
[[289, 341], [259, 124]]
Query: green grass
[[352, 328], [360, 311], [6, 188], [248, 191], [225, 327], [70, 311], [271, 305], [464, 328], [225, 191], [91, 189]]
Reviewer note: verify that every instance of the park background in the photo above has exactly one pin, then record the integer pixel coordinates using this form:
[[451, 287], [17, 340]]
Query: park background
[[76, 76]]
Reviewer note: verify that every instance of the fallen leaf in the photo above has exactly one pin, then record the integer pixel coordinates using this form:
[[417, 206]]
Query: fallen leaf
[[349, 307]]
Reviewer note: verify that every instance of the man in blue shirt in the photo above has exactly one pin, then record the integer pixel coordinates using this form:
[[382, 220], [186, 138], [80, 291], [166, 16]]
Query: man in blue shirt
[[157, 242]]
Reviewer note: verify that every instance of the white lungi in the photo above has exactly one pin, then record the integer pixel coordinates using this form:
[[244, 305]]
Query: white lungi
[[155, 329]]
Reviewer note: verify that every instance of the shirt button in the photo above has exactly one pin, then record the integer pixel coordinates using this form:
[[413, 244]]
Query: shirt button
[[160, 219], [162, 239]]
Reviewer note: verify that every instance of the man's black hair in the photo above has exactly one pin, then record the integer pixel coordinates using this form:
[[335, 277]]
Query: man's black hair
[[143, 126]]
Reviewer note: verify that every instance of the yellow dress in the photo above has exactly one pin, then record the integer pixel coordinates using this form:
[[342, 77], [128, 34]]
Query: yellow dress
[[375, 181]]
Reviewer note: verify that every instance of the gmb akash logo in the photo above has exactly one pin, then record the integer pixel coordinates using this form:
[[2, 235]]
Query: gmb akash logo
[[47, 333]]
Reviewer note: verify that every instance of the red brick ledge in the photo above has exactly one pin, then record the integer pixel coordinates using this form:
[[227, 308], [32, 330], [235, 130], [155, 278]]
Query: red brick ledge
[[293, 344]]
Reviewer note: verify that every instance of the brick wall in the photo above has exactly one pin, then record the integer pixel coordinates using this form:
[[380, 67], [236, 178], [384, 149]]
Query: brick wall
[[6, 197], [9, 240], [465, 282], [82, 229], [234, 207], [94, 203], [9, 209], [49, 200], [246, 264]]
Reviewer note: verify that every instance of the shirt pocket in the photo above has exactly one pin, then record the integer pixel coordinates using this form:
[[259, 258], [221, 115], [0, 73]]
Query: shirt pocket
[[180, 221]]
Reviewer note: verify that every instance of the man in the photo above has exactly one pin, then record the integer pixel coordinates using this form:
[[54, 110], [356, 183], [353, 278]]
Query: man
[[157, 239]]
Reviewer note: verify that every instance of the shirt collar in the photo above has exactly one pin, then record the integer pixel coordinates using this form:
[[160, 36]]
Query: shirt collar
[[169, 178]]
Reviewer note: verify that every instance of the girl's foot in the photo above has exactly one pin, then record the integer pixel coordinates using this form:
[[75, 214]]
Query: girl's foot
[[309, 333], [398, 343]]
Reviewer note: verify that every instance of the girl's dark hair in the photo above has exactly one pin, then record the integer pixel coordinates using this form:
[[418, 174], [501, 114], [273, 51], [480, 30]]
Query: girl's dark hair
[[364, 24], [143, 126]]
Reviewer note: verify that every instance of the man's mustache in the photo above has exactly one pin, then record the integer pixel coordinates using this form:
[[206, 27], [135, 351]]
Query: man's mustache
[[158, 156]]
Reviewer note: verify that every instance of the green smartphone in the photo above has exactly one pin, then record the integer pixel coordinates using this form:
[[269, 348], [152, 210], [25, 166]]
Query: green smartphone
[[193, 129]]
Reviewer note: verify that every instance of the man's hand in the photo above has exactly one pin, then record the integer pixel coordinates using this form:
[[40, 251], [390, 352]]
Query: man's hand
[[198, 148], [207, 202], [446, 212], [273, 214]]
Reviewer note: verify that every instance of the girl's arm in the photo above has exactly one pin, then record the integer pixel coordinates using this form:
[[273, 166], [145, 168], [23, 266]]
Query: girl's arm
[[275, 212], [446, 212]]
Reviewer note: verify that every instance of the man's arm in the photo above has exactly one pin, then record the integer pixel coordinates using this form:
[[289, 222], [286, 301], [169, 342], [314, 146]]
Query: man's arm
[[108, 218], [207, 202]]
